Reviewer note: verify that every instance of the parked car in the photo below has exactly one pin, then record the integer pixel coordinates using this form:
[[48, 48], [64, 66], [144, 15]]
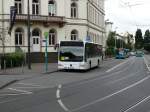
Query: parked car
[[132, 53], [121, 55], [139, 53]]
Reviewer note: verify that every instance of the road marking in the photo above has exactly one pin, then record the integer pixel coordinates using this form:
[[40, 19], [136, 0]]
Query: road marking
[[106, 97], [7, 101], [12, 94], [60, 86], [29, 84], [58, 93], [63, 106], [131, 75], [146, 64], [99, 78], [19, 90], [144, 100], [32, 87], [111, 69], [59, 100]]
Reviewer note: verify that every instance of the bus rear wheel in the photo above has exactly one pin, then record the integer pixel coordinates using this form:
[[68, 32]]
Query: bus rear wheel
[[98, 63]]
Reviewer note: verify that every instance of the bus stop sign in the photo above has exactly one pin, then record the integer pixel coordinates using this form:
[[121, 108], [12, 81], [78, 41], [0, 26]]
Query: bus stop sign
[[46, 34]]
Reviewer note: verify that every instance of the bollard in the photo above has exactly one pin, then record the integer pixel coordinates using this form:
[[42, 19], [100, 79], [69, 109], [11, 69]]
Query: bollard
[[4, 65], [22, 67]]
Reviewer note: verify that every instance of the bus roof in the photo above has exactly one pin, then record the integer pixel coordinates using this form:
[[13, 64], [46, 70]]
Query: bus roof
[[79, 41]]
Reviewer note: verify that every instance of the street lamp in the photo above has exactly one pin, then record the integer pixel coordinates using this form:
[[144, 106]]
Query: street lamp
[[116, 37], [28, 28], [3, 25]]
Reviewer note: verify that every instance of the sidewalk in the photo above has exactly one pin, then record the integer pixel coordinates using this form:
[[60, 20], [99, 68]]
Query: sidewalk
[[10, 76], [38, 68]]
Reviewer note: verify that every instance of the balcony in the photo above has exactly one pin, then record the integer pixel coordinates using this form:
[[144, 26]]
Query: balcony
[[46, 20]]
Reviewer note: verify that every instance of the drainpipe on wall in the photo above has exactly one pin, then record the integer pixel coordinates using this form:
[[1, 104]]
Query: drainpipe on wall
[[87, 19], [28, 28]]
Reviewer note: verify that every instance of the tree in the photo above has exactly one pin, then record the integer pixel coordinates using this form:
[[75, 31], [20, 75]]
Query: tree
[[111, 39], [111, 44], [147, 40], [129, 42], [138, 39]]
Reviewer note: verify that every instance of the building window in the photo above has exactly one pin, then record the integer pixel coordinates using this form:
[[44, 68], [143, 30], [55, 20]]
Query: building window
[[35, 7], [36, 36], [18, 5], [36, 33], [74, 10], [74, 35], [52, 8], [52, 37], [19, 37]]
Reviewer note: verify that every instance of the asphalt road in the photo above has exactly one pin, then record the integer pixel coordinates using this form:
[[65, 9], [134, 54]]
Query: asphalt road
[[123, 87]]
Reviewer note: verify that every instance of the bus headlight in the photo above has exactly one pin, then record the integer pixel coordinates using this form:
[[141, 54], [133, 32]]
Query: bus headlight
[[83, 65], [60, 65]]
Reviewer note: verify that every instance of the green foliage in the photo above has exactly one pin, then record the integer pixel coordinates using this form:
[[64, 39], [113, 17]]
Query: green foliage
[[139, 39], [110, 51], [12, 60], [110, 44], [147, 46], [147, 40], [111, 39]]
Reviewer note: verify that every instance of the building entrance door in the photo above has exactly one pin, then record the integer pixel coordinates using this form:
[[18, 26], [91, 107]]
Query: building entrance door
[[36, 43]]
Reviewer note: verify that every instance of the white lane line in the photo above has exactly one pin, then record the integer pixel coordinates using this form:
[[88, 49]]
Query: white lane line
[[111, 69], [60, 86], [29, 84], [1, 95], [7, 101], [126, 77], [106, 97], [32, 87], [59, 100], [19, 90], [146, 64], [58, 93], [144, 100], [63, 106]]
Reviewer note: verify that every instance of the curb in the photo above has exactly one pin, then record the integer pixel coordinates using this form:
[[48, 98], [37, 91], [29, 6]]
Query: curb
[[7, 84], [50, 72]]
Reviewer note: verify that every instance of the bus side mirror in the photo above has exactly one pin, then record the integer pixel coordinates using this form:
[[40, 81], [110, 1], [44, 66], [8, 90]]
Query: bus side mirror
[[85, 59], [56, 46]]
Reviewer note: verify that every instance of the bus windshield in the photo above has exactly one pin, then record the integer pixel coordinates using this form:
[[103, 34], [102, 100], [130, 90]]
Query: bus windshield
[[71, 53]]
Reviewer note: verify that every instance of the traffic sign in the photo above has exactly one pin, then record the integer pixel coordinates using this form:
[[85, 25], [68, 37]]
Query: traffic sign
[[46, 34]]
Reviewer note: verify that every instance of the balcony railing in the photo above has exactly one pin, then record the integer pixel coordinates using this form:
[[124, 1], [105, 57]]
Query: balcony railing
[[56, 19], [60, 20]]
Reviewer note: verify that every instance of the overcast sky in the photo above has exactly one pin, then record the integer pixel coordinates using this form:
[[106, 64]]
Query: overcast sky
[[128, 15]]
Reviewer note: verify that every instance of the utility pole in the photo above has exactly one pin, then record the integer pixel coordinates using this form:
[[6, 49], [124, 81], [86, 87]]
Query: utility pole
[[3, 29], [116, 37], [29, 53]]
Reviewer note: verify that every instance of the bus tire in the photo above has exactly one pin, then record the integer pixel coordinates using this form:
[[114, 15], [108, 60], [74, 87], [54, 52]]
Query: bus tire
[[98, 63], [89, 65]]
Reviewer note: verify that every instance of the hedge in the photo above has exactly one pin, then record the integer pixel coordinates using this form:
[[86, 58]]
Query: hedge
[[12, 60]]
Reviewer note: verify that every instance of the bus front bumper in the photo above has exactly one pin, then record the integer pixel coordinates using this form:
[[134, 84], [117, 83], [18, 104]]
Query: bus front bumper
[[72, 66]]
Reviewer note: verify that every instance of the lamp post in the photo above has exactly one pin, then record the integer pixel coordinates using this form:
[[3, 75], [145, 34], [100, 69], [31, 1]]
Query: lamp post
[[3, 25], [116, 37], [28, 28]]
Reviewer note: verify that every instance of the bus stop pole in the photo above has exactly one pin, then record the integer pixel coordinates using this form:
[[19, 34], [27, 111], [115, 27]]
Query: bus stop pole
[[46, 57], [46, 54]]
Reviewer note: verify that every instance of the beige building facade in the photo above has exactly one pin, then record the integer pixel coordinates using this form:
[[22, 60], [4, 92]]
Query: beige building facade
[[62, 19]]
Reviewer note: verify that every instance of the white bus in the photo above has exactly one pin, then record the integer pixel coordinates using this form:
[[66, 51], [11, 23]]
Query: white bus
[[79, 55]]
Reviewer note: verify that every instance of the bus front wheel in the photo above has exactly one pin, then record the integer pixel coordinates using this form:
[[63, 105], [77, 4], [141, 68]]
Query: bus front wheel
[[90, 65]]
